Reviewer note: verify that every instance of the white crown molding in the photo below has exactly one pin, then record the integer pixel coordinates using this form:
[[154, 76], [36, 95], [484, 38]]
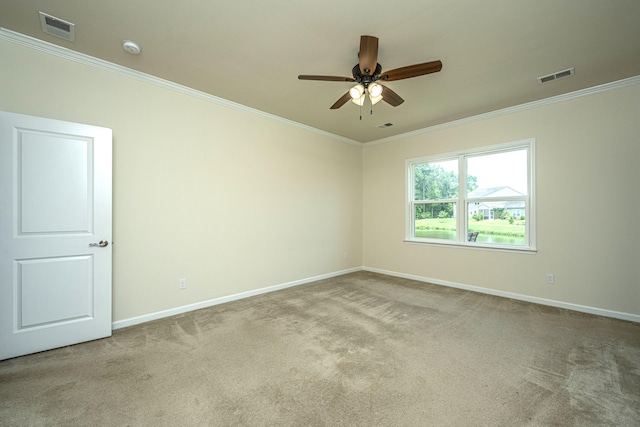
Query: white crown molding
[[510, 110], [33, 43], [62, 52]]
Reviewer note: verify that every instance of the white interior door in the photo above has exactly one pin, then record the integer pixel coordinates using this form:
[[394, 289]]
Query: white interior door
[[55, 234]]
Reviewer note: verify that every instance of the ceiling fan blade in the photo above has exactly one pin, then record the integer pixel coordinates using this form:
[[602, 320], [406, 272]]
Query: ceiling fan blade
[[411, 71], [327, 78], [391, 97], [368, 55], [340, 102]]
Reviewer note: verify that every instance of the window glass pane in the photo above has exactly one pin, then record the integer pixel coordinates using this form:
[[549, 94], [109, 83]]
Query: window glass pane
[[497, 222], [436, 180], [497, 175], [435, 221]]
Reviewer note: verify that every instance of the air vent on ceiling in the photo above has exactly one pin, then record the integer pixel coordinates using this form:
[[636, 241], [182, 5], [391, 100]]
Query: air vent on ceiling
[[384, 125], [58, 27], [555, 76]]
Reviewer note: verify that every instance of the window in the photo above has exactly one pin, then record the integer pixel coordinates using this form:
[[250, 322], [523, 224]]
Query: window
[[482, 197]]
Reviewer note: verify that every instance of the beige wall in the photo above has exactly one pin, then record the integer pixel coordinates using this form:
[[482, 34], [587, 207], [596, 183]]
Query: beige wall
[[587, 168], [234, 202], [230, 201]]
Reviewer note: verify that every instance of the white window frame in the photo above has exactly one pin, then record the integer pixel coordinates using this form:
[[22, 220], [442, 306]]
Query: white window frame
[[462, 202]]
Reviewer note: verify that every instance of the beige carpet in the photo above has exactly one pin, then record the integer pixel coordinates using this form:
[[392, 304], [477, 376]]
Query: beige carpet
[[358, 350]]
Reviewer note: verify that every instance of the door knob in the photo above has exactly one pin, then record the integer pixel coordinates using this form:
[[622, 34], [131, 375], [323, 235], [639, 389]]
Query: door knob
[[101, 244]]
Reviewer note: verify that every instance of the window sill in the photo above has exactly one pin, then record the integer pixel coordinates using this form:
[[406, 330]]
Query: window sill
[[475, 246]]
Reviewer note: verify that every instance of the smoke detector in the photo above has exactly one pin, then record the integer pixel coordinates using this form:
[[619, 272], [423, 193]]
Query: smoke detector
[[58, 27], [131, 47]]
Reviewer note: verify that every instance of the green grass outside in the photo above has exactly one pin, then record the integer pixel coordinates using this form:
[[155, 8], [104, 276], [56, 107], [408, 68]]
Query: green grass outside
[[497, 227]]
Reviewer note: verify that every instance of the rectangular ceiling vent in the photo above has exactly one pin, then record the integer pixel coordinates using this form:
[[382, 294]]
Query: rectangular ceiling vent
[[58, 27], [384, 125], [555, 76]]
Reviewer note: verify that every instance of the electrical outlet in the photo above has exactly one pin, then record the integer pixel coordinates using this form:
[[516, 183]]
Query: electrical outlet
[[182, 284], [550, 278], [346, 256]]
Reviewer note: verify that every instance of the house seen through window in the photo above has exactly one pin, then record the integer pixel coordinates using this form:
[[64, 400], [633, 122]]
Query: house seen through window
[[481, 197]]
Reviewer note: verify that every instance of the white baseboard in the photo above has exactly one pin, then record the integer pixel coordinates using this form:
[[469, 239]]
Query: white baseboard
[[119, 324], [209, 303], [552, 303]]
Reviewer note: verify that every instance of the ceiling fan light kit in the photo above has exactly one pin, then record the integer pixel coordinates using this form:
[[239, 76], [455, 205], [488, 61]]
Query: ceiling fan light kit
[[376, 99], [359, 101], [368, 72], [357, 91], [375, 90]]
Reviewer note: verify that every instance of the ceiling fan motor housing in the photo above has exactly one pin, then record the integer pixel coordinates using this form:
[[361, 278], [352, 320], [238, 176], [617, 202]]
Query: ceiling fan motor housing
[[365, 79]]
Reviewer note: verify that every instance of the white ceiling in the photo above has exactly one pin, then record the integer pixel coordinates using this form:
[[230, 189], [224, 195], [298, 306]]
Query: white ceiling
[[251, 51]]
